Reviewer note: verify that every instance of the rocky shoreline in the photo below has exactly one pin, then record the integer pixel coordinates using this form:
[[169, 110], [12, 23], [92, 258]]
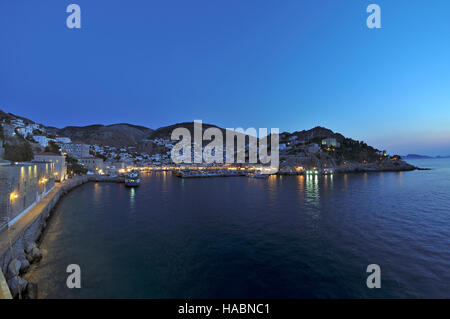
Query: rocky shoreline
[[352, 167], [15, 259]]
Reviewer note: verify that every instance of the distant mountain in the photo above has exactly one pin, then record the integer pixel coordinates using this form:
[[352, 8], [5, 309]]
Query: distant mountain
[[416, 156], [113, 135], [166, 131]]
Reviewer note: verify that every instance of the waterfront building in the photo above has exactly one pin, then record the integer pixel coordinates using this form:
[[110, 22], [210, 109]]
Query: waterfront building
[[75, 150], [93, 164], [21, 187], [59, 161], [113, 168]]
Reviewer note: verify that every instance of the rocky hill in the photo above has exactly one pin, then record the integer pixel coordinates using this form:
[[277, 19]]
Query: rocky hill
[[113, 135], [316, 132], [166, 131]]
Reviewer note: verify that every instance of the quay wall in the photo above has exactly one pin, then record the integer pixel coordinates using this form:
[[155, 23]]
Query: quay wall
[[19, 242]]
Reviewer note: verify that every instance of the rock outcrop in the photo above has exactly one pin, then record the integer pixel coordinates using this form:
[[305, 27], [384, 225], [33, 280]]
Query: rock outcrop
[[17, 285]]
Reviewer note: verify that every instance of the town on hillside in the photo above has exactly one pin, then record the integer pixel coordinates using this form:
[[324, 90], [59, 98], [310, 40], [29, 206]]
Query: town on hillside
[[318, 149]]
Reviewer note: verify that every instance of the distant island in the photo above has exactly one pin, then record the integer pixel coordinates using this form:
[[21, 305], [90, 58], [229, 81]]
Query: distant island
[[416, 156]]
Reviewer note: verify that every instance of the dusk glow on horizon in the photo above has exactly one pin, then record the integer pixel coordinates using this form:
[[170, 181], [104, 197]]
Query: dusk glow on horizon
[[291, 65]]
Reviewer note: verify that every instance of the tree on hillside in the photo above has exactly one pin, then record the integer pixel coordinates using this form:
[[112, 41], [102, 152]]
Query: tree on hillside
[[19, 152], [52, 147]]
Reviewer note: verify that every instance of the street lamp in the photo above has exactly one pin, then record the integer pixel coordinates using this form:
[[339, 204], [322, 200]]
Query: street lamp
[[43, 181], [13, 196]]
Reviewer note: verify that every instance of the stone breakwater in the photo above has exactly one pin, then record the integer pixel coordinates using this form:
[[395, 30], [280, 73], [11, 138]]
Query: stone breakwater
[[19, 244]]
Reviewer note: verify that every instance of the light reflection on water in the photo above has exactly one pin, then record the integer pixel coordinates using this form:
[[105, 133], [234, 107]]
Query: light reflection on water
[[312, 190], [132, 195]]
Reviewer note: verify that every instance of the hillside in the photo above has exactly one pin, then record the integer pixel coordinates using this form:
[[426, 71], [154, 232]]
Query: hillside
[[317, 132], [113, 135], [166, 131], [318, 147]]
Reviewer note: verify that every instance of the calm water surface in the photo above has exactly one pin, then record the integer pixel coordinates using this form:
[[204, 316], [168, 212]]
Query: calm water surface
[[285, 237]]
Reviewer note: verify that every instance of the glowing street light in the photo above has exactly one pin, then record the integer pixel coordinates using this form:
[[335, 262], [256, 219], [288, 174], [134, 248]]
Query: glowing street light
[[13, 196]]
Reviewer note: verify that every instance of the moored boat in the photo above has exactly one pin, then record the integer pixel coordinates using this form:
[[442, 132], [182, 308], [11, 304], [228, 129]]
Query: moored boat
[[132, 179], [257, 175]]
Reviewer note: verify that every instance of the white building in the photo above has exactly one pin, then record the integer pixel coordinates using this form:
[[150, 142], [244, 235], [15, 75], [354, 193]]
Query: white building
[[59, 162], [331, 142], [76, 150], [25, 131], [17, 123], [93, 164], [41, 139], [63, 140]]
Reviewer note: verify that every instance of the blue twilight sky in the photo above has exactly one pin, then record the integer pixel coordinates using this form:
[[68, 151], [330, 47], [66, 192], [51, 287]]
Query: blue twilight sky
[[249, 63]]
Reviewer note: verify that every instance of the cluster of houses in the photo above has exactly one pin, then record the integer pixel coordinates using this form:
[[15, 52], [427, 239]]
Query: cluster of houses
[[97, 159], [293, 142], [118, 157], [104, 159]]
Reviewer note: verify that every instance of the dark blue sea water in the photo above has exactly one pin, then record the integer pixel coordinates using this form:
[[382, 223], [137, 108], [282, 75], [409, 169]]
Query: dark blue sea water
[[285, 237]]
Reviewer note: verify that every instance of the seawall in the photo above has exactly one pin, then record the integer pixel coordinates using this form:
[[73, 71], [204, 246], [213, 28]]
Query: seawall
[[18, 247]]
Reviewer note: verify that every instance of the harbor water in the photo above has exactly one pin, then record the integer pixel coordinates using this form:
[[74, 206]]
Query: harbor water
[[239, 237]]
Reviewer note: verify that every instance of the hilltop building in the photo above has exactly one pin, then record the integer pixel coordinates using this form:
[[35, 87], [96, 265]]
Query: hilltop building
[[330, 142], [63, 140]]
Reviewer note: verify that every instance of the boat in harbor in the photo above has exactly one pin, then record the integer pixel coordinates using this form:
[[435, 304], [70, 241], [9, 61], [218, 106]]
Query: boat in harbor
[[132, 179], [257, 175]]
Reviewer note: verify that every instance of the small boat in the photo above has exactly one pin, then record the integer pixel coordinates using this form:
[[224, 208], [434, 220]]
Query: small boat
[[257, 175], [132, 179]]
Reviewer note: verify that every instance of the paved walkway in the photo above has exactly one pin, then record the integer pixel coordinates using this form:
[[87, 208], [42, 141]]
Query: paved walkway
[[4, 289], [18, 228]]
